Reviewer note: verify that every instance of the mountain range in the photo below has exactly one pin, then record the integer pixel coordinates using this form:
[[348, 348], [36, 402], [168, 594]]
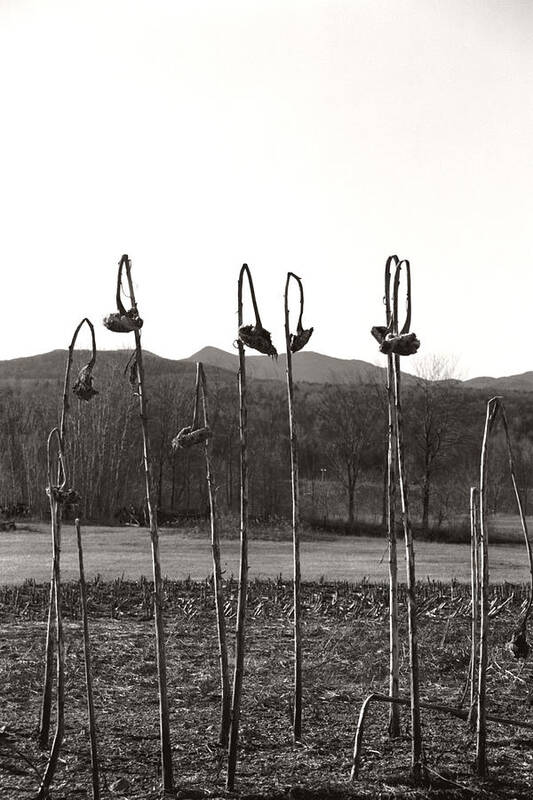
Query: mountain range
[[308, 367]]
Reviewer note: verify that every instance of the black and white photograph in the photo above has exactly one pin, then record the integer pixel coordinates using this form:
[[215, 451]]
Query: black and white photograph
[[266, 399]]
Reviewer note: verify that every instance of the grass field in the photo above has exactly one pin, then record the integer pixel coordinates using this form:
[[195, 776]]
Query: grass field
[[112, 552], [345, 635]]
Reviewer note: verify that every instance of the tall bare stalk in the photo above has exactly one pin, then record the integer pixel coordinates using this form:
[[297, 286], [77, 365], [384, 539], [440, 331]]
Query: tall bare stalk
[[88, 671], [293, 344], [85, 377], [55, 494], [395, 343], [481, 722], [217, 570], [243, 569], [474, 583], [417, 765], [257, 337], [394, 661], [126, 321]]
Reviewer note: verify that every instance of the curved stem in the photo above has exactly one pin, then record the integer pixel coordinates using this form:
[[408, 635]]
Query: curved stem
[[124, 261], [459, 713], [295, 492], [358, 742], [245, 270], [392, 260], [299, 326], [395, 314], [46, 703], [68, 369], [407, 323]]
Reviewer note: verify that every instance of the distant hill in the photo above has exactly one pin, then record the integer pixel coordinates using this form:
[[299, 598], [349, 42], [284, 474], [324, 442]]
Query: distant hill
[[51, 366], [308, 366], [520, 383]]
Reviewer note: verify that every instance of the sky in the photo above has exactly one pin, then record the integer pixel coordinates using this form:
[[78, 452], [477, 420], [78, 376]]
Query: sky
[[316, 137]]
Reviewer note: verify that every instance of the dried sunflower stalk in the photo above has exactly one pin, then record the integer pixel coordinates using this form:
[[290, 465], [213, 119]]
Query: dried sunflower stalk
[[122, 321]]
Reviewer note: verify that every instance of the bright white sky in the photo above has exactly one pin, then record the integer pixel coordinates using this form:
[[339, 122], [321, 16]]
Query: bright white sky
[[318, 137]]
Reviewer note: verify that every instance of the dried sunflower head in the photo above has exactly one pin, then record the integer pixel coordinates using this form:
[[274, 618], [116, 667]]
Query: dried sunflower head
[[518, 646], [123, 323], [64, 496], [83, 388], [190, 436], [401, 344], [258, 338], [298, 340]]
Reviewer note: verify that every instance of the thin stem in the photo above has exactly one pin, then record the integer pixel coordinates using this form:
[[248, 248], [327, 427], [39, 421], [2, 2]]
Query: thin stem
[[164, 723], [389, 314], [68, 368], [295, 493], [196, 406], [243, 569], [407, 323], [416, 728], [474, 583], [88, 671], [481, 730], [217, 572], [394, 661], [358, 742], [299, 325], [245, 270], [120, 306], [46, 703], [55, 514], [48, 677]]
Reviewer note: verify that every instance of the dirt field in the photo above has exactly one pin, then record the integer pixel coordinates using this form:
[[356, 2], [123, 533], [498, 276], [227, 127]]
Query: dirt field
[[116, 552], [345, 644]]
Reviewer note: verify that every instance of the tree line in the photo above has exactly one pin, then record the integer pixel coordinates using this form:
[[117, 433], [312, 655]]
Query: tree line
[[342, 436]]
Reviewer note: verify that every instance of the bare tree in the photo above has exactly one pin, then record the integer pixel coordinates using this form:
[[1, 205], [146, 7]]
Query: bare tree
[[434, 422], [347, 419]]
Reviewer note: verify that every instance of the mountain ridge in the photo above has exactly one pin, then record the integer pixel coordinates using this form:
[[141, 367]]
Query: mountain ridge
[[308, 366]]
